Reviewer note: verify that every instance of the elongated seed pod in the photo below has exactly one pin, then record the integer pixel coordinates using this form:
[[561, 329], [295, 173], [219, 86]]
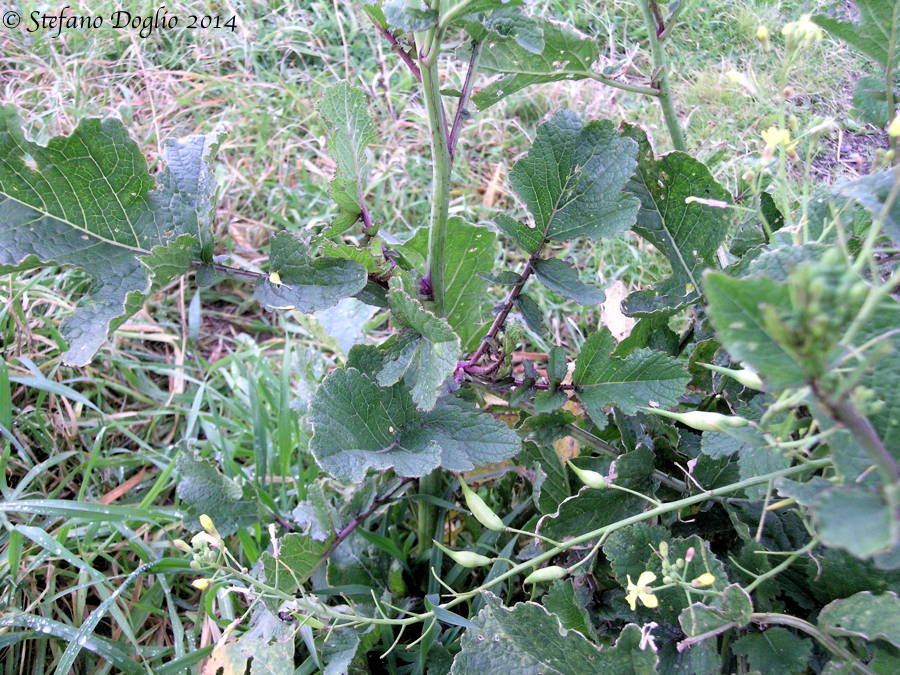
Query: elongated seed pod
[[480, 510], [588, 477], [465, 558], [550, 573]]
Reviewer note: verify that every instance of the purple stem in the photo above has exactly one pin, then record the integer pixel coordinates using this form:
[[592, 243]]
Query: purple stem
[[401, 52], [464, 99]]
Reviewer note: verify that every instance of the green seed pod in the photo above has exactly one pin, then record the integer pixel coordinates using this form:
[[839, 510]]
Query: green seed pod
[[590, 478], [858, 292], [832, 257], [465, 558], [550, 573], [745, 376], [704, 421], [480, 510]]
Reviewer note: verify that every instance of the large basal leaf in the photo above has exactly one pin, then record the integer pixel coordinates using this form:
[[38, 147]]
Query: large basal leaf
[[573, 176], [359, 425], [735, 307], [643, 378], [871, 617], [565, 56], [350, 132], [425, 355], [469, 255], [303, 283], [528, 640], [688, 233], [88, 200], [298, 557], [873, 192], [877, 35]]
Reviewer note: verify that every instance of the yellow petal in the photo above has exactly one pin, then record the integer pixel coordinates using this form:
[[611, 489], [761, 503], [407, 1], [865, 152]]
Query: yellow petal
[[631, 598], [894, 129], [646, 578], [649, 600]]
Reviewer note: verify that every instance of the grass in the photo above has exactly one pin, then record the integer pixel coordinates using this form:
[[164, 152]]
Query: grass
[[207, 371]]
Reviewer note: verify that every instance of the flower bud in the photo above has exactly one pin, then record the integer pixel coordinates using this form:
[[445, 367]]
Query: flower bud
[[550, 573], [704, 421], [200, 584], [689, 554], [894, 128], [275, 278], [705, 579], [480, 510], [664, 549], [745, 376], [182, 546], [207, 524], [465, 558], [590, 478], [762, 34]]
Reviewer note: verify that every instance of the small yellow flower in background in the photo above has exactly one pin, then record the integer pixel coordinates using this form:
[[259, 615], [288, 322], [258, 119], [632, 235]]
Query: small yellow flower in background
[[705, 579], [200, 584], [762, 34], [641, 591], [741, 79], [275, 278], [802, 31], [894, 128], [207, 524], [774, 137]]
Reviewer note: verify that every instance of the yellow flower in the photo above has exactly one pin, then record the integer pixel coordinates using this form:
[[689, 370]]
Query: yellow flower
[[200, 584], [894, 128], [775, 136], [641, 591], [803, 31], [705, 579], [207, 524]]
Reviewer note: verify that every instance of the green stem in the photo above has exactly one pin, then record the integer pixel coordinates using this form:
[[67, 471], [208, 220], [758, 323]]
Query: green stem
[[429, 486], [440, 172], [889, 74], [663, 509], [661, 76], [780, 567], [826, 640]]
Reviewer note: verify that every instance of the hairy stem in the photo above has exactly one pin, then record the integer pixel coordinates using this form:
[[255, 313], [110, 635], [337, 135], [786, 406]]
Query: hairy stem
[[661, 73], [400, 51]]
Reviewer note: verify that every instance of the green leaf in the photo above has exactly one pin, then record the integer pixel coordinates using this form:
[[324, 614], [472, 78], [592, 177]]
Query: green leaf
[[531, 312], [409, 15], [688, 234], [305, 284], [591, 508], [205, 490], [855, 519], [873, 192], [508, 22], [642, 378], [732, 607], [877, 34], [735, 310], [572, 179], [527, 640], [565, 56], [550, 484], [470, 252], [776, 650], [337, 651], [529, 238], [426, 355], [559, 276], [88, 200], [298, 557], [870, 101], [871, 617], [350, 132], [561, 600], [756, 460], [358, 425]]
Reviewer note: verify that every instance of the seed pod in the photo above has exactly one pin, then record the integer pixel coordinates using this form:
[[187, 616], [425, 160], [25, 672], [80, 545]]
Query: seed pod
[[465, 558], [745, 376], [704, 421], [480, 510], [550, 573], [590, 478], [182, 546]]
